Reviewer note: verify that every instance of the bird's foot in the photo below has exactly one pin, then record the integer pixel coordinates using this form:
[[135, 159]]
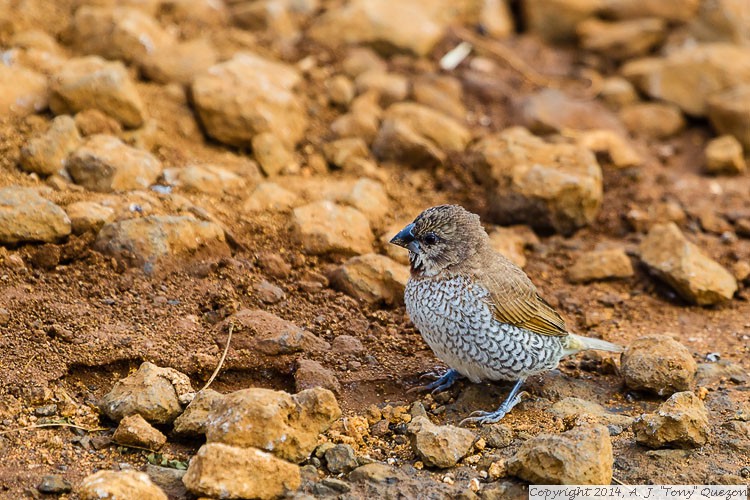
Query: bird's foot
[[444, 381], [491, 417]]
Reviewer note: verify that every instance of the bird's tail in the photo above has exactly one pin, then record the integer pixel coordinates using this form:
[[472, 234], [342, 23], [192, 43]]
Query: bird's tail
[[576, 343]]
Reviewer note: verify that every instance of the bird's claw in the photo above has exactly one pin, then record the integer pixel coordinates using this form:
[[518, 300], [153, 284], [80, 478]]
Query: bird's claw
[[443, 382], [480, 417]]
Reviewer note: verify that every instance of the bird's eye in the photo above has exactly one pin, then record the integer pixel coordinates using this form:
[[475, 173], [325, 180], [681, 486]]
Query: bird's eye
[[431, 238]]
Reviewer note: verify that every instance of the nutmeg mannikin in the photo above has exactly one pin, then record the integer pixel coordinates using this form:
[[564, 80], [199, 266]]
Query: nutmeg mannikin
[[478, 311]]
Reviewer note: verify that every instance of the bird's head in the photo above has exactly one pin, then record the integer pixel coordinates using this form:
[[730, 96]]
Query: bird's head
[[441, 237]]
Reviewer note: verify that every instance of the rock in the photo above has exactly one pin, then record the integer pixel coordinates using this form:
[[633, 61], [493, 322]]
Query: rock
[[54, 484], [617, 92], [374, 472], [223, 471], [363, 118], [152, 392], [269, 196], [168, 479], [93, 121], [268, 293], [724, 156], [582, 455], [272, 155], [287, 426], [311, 374], [442, 93], [193, 419], [104, 163], [496, 435], [680, 422], [551, 110], [556, 20], [728, 112], [722, 21], [46, 154], [359, 60], [135, 431], [496, 18], [347, 152], [676, 11], [371, 278], [622, 39], [340, 459], [119, 485], [652, 119], [509, 243], [347, 344], [179, 62], [341, 90], [249, 95], [531, 181], [410, 25], [718, 372], [22, 91], [324, 227], [658, 364], [689, 76], [415, 134], [123, 33], [581, 410], [153, 240], [261, 331], [391, 87], [88, 216], [439, 446], [209, 179], [695, 276], [621, 153], [601, 265], [26, 216], [93, 83]]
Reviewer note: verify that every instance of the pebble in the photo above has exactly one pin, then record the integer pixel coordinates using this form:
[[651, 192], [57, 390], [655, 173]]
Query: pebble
[[371, 278], [325, 227], [168, 479], [617, 92], [119, 485], [727, 112], [26, 217], [496, 435], [104, 163], [287, 426], [22, 91], [553, 111], [581, 410], [533, 182], [439, 446], [724, 156], [93, 122], [347, 344], [310, 374], [340, 459], [683, 265], [442, 93], [46, 410], [622, 39], [268, 293], [192, 421], [273, 156], [179, 62], [340, 90], [601, 265], [133, 430], [46, 154], [582, 455], [658, 364], [88, 216], [680, 422], [652, 119], [391, 87], [153, 240], [154, 393], [209, 179], [95, 83], [54, 484], [270, 197], [224, 471], [249, 95]]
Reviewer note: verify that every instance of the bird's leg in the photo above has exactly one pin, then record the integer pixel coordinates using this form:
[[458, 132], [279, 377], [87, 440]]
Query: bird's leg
[[439, 385], [486, 417]]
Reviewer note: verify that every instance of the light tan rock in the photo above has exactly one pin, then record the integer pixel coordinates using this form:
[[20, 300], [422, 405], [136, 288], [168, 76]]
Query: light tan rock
[[677, 11], [119, 485], [210, 179], [601, 265], [509, 243], [94, 83], [22, 91], [391, 87], [441, 92], [620, 151], [582, 455], [193, 420], [729, 113], [622, 39], [439, 446], [371, 278], [658, 364], [652, 119], [618, 92], [322, 227], [680, 422], [553, 111], [133, 430], [694, 275], [442, 130], [223, 471], [722, 21], [556, 20], [269, 196], [46, 154], [287, 426], [588, 411], [724, 156], [341, 90], [272, 154], [310, 374], [179, 62], [88, 216], [26, 217]]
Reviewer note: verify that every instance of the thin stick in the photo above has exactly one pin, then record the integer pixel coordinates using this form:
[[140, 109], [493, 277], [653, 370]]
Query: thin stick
[[61, 424], [223, 357]]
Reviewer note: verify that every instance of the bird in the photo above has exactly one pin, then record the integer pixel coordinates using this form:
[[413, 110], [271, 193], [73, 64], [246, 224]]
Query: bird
[[478, 311]]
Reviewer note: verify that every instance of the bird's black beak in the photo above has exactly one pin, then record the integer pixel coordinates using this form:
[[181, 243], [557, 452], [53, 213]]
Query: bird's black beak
[[405, 238]]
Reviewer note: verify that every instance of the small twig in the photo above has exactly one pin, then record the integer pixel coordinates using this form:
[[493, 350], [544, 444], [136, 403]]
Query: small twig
[[32, 358], [59, 424], [618, 481], [221, 361]]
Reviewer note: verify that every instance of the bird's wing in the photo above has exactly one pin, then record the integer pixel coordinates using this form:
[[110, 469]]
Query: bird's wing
[[515, 300]]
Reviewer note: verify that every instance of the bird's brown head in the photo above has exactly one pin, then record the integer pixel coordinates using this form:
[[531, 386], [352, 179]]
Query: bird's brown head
[[441, 237]]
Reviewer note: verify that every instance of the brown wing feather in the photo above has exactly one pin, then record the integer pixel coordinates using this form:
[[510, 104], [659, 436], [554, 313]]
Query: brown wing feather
[[516, 301]]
